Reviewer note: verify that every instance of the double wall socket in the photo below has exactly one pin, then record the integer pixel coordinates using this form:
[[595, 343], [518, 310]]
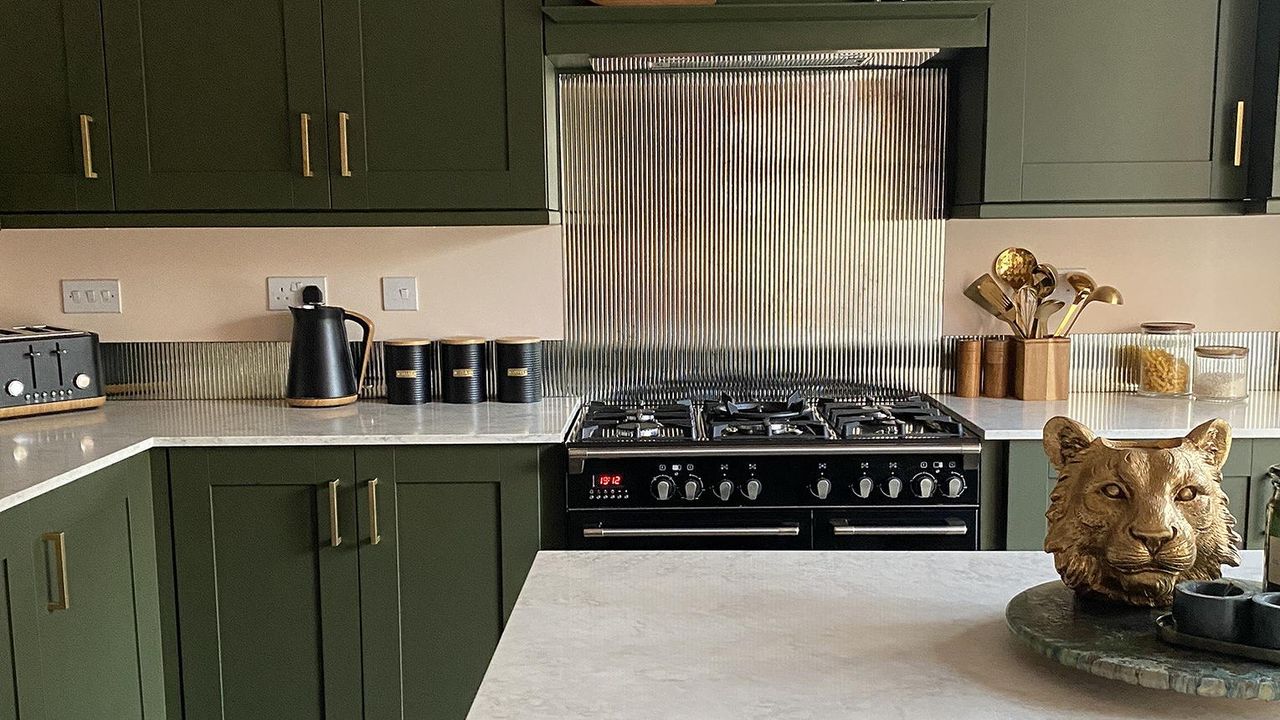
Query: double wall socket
[[285, 291], [91, 296]]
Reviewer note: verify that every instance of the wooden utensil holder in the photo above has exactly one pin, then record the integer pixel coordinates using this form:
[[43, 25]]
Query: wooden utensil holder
[[1041, 368]]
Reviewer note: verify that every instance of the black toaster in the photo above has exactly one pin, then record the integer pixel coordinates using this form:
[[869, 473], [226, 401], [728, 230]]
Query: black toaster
[[46, 369]]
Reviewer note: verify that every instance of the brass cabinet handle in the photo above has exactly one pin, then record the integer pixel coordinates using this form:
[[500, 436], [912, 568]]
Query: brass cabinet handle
[[1239, 158], [335, 539], [59, 541], [374, 536], [86, 146], [306, 145], [343, 161]]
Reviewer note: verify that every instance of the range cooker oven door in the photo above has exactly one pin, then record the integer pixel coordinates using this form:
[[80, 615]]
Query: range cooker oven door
[[941, 529], [690, 530]]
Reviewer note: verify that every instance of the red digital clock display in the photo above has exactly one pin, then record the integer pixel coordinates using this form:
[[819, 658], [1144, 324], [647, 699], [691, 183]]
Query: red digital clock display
[[608, 481]]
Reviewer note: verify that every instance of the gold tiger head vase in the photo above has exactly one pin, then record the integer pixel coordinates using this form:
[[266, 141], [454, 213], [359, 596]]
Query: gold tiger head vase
[[1129, 520]]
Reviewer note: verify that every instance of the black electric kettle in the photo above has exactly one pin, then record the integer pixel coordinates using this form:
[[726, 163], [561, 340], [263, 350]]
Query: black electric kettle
[[322, 365]]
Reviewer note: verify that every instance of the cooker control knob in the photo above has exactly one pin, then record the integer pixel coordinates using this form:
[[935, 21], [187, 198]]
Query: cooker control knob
[[14, 388], [924, 485], [724, 490], [954, 487], [752, 489], [82, 381], [692, 487], [663, 486], [892, 487], [863, 487], [821, 488]]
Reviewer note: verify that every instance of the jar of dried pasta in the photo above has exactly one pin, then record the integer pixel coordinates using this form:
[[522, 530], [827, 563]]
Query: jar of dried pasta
[[1165, 357]]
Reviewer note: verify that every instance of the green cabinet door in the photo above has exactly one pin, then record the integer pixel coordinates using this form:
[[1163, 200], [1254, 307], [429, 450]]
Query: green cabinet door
[[435, 105], [456, 532], [267, 584], [19, 646], [1097, 100], [96, 599], [1266, 452], [207, 101], [53, 82]]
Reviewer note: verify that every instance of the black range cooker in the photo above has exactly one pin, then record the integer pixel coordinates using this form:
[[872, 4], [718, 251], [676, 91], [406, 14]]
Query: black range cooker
[[871, 469]]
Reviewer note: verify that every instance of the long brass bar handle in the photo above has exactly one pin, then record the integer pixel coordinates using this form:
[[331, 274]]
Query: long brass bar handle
[[1239, 157], [306, 145], [59, 541], [374, 536], [343, 161], [86, 146], [335, 539]]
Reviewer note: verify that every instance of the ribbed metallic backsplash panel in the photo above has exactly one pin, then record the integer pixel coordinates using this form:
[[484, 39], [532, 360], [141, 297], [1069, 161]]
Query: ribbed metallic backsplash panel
[[765, 61], [752, 230], [1108, 362], [232, 370]]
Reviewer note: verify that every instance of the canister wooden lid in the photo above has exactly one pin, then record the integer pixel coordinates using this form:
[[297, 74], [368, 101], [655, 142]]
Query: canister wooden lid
[[462, 340], [407, 341], [518, 340]]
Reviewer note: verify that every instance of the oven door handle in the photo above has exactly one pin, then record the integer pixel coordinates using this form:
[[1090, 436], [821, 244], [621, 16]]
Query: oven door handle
[[842, 528], [776, 531]]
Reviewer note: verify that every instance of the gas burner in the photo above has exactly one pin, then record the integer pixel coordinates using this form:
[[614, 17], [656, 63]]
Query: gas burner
[[767, 429], [603, 422], [729, 409], [907, 418]]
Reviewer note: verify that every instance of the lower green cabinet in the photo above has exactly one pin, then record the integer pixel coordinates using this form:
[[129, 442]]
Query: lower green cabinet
[[392, 612], [268, 604], [80, 591]]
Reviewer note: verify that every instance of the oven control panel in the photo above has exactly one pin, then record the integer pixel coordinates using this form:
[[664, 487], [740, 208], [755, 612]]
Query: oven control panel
[[890, 480]]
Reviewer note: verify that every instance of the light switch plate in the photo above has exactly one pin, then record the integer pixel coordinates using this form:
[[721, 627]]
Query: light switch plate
[[91, 296], [285, 291], [399, 293]]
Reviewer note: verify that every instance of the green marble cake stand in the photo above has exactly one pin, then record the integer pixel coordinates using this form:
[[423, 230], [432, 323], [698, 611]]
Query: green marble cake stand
[[1120, 643]]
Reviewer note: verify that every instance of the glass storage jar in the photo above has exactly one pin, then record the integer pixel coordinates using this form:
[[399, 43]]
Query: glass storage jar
[[1165, 356], [1221, 373]]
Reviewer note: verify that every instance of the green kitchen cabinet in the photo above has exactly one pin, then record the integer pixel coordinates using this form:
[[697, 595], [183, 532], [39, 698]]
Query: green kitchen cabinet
[[208, 102], [83, 602], [448, 535], [392, 612], [54, 130], [267, 582], [1266, 452], [436, 105], [1031, 479], [1103, 107]]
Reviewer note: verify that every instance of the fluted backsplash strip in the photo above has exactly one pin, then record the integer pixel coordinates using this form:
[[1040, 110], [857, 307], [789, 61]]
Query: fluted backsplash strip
[[752, 230]]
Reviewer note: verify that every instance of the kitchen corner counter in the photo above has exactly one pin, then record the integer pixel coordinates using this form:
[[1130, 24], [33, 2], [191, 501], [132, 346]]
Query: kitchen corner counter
[[1117, 415], [41, 453], [797, 635]]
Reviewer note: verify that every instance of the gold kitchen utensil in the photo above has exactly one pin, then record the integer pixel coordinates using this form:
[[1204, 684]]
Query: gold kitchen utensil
[[986, 293], [1044, 278], [1084, 285], [1013, 266], [1105, 294], [1043, 313]]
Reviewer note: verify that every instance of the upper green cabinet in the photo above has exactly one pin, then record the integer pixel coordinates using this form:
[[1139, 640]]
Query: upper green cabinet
[[54, 128], [209, 102], [436, 105], [1129, 103]]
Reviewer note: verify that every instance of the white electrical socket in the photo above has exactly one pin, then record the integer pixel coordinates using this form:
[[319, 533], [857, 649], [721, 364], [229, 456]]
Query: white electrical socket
[[285, 291], [91, 296], [399, 293]]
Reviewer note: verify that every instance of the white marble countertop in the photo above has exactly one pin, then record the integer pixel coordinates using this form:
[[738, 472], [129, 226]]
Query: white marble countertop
[[41, 453], [1117, 415], [797, 636]]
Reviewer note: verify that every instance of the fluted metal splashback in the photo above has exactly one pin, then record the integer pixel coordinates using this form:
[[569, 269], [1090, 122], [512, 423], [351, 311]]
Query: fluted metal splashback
[[755, 230]]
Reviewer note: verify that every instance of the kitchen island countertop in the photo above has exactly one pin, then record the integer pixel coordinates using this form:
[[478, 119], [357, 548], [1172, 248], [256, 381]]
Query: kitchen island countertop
[[1122, 416], [41, 453], [797, 636]]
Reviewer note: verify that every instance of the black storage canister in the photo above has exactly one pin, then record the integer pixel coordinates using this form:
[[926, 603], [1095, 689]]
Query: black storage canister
[[407, 362], [518, 363], [462, 364]]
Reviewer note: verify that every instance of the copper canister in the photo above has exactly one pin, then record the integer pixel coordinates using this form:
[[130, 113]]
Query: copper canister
[[968, 367], [995, 368]]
